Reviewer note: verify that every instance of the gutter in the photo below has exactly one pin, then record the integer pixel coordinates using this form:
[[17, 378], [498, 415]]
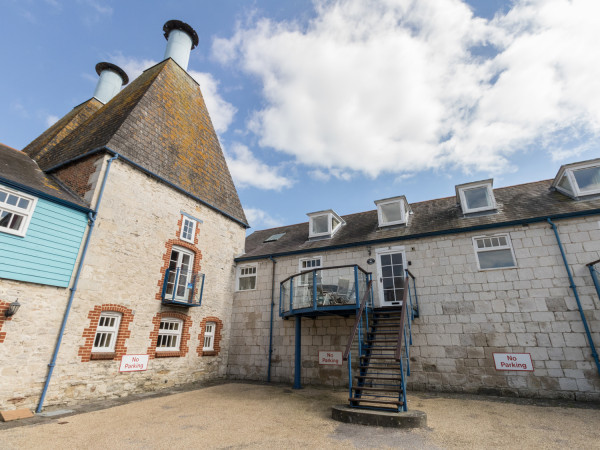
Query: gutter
[[45, 196], [489, 226], [271, 325], [152, 174], [92, 221], [574, 288]]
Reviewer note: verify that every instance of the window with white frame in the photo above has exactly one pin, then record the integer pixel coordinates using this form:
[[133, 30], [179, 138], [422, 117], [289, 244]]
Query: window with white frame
[[16, 210], [246, 277], [494, 252], [392, 211], [188, 229], [308, 264], [180, 278], [169, 334], [209, 336], [579, 179], [476, 197], [324, 224], [106, 332]]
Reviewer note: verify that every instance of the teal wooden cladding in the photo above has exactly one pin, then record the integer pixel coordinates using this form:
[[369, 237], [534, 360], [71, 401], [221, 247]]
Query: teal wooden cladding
[[47, 253]]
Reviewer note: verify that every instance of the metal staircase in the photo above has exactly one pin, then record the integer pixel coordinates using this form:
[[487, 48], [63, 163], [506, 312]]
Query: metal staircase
[[384, 338]]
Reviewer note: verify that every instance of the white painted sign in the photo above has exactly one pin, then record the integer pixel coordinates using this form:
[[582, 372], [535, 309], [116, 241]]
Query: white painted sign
[[133, 363], [330, 358], [513, 361]]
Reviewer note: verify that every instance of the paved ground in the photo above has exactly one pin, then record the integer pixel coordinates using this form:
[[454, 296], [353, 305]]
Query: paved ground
[[237, 415]]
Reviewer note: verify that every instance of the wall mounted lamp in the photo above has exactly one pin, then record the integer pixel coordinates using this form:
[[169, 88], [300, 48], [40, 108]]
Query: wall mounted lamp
[[12, 309]]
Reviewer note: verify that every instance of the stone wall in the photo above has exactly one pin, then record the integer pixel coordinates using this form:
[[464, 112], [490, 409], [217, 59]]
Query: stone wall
[[466, 315], [138, 216]]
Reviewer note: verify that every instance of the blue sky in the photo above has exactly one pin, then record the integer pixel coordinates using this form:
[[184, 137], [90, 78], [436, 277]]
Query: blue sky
[[332, 105]]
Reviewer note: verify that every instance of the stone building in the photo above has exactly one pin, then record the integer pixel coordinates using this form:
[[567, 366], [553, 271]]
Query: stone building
[[489, 275], [122, 238], [152, 272]]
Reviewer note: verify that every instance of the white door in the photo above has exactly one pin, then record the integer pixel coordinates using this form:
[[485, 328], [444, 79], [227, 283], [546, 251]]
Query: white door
[[390, 274], [180, 271]]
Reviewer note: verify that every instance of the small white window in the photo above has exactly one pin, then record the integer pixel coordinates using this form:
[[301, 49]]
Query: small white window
[[579, 179], [188, 229], [169, 335], [106, 332], [246, 277], [308, 264], [209, 336], [494, 252], [324, 224], [392, 211], [16, 210], [476, 197]]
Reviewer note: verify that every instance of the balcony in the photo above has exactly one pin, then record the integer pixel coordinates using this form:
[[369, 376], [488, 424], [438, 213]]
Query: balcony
[[181, 288], [334, 290]]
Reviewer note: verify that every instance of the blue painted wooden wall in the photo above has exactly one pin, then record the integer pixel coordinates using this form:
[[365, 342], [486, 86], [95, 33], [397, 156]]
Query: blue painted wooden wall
[[47, 253]]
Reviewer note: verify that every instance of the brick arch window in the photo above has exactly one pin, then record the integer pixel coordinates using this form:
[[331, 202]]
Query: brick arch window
[[108, 331], [210, 336], [170, 335], [172, 258], [3, 307]]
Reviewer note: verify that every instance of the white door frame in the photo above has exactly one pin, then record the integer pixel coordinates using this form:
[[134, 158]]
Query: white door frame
[[384, 251]]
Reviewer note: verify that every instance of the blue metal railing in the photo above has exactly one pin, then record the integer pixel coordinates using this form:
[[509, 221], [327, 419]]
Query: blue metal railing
[[323, 289], [182, 288], [595, 273]]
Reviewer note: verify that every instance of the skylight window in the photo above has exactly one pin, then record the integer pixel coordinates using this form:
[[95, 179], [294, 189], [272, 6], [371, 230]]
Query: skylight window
[[579, 179], [392, 211], [476, 197], [324, 224], [274, 237]]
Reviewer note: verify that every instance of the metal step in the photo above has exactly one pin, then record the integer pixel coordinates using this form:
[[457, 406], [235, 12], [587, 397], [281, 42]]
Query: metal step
[[381, 402]]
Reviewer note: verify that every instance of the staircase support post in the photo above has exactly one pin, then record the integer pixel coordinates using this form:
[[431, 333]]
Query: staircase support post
[[298, 358]]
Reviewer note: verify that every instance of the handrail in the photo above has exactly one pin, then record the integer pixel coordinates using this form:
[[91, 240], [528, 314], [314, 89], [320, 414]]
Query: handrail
[[326, 268], [411, 275], [593, 263], [398, 355], [363, 304]]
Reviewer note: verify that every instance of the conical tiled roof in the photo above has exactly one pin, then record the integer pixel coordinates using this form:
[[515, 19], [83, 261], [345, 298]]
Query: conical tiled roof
[[57, 132], [161, 123]]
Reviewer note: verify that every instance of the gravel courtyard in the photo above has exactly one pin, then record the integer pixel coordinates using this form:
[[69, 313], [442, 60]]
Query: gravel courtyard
[[237, 415]]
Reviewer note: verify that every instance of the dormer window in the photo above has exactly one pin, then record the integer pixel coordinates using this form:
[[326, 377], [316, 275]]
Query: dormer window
[[579, 179], [324, 224], [392, 211], [476, 197]]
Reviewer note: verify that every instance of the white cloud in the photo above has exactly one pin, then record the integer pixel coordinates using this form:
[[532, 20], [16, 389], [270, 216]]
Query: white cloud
[[221, 112], [404, 85], [257, 218], [247, 170], [51, 120]]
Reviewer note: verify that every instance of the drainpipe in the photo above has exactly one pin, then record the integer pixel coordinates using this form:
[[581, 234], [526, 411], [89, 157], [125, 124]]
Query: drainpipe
[[574, 288], [271, 326], [92, 221]]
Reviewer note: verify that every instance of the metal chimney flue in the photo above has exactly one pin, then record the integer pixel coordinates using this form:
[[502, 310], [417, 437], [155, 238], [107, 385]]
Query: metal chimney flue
[[112, 77], [181, 40]]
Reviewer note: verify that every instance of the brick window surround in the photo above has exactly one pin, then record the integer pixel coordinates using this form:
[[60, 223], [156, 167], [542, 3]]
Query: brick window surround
[[177, 242], [3, 307], [185, 335], [85, 351], [217, 339]]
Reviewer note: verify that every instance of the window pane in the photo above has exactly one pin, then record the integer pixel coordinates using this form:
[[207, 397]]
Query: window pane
[[3, 196], [5, 218], [477, 197], [391, 212], [495, 259], [247, 283], [588, 179], [320, 224], [23, 203], [12, 200]]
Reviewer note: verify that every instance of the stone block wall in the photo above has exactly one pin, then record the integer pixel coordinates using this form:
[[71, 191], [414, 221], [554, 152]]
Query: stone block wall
[[466, 315], [138, 216]]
